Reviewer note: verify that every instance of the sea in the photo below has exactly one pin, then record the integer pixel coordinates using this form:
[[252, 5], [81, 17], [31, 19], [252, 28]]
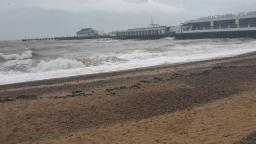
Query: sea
[[39, 60]]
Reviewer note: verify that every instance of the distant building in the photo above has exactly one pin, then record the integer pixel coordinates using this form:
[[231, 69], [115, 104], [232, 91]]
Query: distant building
[[143, 32], [220, 22], [87, 32], [220, 26], [112, 33], [153, 31]]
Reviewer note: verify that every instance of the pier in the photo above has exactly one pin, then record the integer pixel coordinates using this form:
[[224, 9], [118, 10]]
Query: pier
[[119, 37], [72, 38], [146, 33], [242, 25]]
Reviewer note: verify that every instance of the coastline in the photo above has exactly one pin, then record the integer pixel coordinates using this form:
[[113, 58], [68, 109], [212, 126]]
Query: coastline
[[213, 61], [48, 111]]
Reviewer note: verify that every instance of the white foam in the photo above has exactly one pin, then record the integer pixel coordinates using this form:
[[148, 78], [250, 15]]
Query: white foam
[[24, 55], [17, 65], [179, 53], [58, 64]]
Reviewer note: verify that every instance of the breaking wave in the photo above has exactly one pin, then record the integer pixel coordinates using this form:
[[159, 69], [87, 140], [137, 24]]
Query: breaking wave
[[16, 65], [22, 56], [89, 57], [58, 64], [64, 63]]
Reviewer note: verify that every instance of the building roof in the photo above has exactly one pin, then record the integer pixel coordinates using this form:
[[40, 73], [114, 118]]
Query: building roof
[[87, 30], [156, 27]]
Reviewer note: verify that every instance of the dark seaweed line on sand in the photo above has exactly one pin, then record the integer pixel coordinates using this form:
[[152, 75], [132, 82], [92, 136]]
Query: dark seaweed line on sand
[[250, 139]]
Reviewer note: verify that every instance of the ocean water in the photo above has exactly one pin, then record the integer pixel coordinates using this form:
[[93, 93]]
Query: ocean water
[[38, 60]]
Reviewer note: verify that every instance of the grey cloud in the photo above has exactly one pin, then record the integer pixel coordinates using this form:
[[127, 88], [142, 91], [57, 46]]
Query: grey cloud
[[43, 18]]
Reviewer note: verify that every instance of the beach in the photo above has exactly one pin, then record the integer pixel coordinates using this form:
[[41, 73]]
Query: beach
[[203, 102]]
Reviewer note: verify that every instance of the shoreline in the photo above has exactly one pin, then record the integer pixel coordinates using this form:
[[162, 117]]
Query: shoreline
[[121, 72], [49, 111]]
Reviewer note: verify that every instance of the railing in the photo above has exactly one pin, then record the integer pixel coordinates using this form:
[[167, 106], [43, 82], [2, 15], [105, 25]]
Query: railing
[[218, 30], [227, 16]]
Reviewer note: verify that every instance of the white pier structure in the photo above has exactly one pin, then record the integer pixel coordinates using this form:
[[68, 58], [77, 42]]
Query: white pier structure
[[153, 31], [143, 32], [218, 23]]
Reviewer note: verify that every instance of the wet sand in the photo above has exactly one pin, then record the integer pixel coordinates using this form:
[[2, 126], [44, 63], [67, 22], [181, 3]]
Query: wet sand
[[201, 102]]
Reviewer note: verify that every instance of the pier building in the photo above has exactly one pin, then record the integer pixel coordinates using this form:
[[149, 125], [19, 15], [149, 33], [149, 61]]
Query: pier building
[[153, 31], [87, 32], [220, 26], [143, 33]]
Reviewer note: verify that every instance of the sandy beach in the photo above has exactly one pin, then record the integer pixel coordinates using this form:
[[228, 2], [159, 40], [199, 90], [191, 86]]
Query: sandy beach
[[208, 102]]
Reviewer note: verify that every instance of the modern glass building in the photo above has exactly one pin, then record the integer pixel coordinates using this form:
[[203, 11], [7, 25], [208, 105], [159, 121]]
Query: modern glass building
[[219, 22], [242, 25]]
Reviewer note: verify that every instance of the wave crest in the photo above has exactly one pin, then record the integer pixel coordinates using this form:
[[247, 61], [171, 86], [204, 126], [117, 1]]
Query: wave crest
[[22, 56], [58, 64]]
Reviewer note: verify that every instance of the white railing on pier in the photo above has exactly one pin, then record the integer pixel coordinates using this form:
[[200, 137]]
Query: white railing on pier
[[219, 30], [224, 17]]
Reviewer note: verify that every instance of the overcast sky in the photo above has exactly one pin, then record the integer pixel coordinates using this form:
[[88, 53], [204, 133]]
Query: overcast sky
[[44, 18]]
